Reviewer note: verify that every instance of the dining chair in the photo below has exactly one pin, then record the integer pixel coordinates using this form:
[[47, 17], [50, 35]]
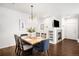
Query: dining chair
[[42, 47], [21, 48], [17, 51], [43, 35], [24, 35], [25, 48], [37, 34]]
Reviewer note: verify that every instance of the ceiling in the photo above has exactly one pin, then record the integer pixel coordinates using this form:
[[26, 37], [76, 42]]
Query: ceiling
[[45, 9]]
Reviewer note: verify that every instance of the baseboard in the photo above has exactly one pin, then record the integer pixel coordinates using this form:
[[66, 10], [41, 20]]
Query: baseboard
[[78, 40], [7, 46]]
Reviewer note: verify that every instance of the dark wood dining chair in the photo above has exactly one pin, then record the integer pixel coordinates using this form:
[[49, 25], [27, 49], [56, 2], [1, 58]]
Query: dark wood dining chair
[[24, 35], [37, 34], [20, 47], [17, 51]]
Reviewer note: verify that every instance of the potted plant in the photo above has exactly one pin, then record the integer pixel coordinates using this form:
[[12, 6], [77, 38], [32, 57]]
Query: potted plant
[[31, 31]]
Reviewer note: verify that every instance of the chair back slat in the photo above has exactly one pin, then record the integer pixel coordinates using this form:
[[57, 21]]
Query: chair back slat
[[18, 42], [24, 34], [21, 44]]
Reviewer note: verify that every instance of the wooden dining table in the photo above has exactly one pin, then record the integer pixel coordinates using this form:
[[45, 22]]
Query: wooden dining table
[[32, 40]]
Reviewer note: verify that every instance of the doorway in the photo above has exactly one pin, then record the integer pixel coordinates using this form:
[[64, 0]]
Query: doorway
[[71, 28]]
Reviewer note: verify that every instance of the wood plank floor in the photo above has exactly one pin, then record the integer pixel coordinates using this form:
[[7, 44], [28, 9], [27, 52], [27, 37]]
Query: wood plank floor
[[65, 48]]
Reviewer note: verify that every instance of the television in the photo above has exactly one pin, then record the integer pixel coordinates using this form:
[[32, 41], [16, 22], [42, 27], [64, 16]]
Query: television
[[56, 23]]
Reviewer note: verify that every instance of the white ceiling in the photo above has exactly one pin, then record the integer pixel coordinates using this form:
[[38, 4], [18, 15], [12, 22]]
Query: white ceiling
[[45, 9]]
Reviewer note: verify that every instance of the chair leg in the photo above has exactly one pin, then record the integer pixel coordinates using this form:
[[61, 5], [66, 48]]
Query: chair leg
[[21, 52], [35, 52], [46, 53], [16, 51]]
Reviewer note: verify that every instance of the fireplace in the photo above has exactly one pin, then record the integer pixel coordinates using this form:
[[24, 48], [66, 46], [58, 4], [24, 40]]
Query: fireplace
[[59, 35], [55, 35]]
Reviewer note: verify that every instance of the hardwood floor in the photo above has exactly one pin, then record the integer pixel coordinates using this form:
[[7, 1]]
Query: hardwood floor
[[9, 51], [65, 48]]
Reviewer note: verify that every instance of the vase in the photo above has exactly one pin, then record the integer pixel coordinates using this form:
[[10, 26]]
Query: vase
[[32, 34]]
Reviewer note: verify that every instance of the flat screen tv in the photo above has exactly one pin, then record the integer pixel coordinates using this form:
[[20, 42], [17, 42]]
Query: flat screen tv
[[56, 23]]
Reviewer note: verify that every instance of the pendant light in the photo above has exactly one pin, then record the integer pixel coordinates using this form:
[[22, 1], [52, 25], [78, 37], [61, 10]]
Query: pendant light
[[32, 12]]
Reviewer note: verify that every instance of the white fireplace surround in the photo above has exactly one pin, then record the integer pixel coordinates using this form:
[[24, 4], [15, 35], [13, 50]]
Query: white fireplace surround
[[55, 36]]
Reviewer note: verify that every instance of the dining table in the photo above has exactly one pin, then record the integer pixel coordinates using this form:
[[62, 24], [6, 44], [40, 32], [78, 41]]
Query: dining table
[[32, 40], [35, 42]]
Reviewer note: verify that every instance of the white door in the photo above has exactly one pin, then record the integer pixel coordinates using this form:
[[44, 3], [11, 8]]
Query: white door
[[70, 28]]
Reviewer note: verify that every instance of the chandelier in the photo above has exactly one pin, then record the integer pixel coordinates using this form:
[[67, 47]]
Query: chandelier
[[31, 29]]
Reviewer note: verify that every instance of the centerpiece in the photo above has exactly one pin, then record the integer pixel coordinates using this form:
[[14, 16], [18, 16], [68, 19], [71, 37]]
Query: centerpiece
[[31, 31]]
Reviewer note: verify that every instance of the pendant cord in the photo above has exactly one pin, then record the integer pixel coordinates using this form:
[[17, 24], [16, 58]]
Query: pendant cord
[[31, 12]]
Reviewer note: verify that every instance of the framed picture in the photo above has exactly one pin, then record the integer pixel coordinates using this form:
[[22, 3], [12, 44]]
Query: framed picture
[[42, 26]]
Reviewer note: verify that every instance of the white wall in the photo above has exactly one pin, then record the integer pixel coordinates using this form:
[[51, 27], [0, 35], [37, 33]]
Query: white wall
[[48, 22], [9, 25]]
